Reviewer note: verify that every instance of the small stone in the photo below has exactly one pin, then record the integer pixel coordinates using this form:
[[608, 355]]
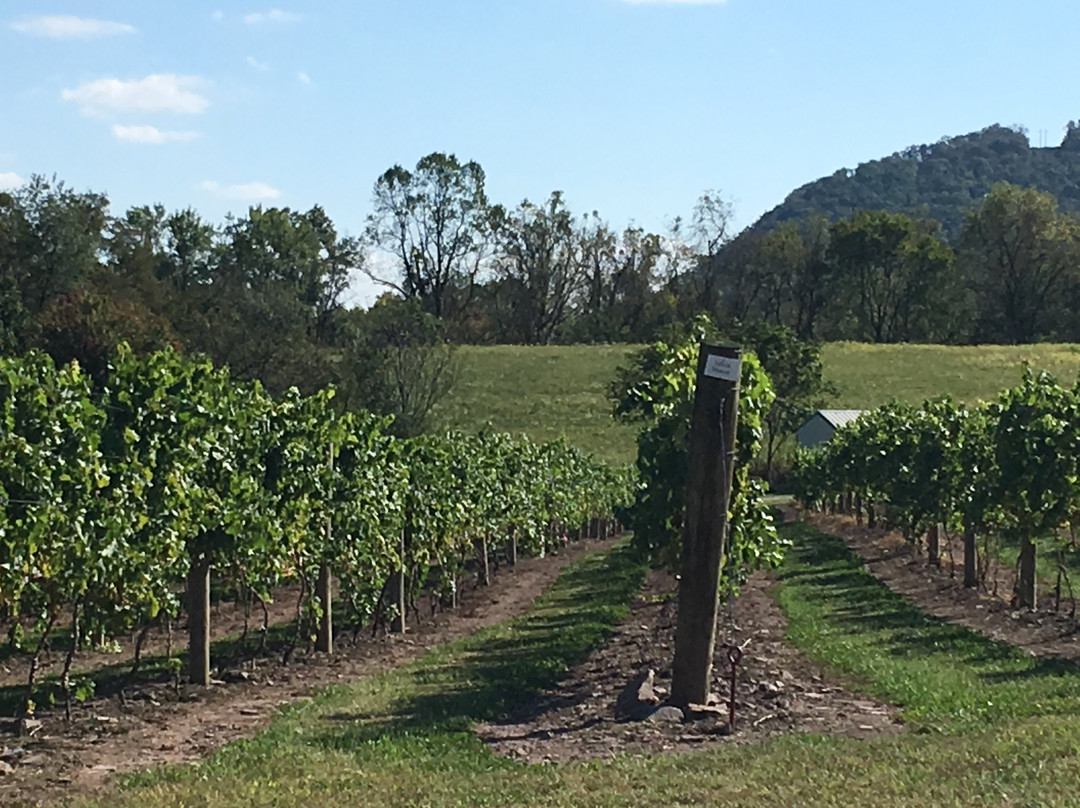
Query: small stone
[[667, 713], [6, 768], [638, 692]]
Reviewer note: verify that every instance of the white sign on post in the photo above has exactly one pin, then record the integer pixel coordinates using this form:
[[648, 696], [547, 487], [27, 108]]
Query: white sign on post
[[722, 367]]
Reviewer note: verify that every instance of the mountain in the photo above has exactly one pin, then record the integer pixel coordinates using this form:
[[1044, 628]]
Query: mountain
[[942, 179]]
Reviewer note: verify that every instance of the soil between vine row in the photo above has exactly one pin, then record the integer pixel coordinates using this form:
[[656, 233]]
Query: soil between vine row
[[150, 726]]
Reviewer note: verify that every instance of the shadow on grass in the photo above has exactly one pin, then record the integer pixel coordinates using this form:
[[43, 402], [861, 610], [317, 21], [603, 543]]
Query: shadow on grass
[[486, 676], [832, 575]]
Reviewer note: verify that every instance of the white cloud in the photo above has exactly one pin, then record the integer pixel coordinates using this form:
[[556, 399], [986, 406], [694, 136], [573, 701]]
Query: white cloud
[[303, 77], [257, 65], [218, 15], [67, 26], [273, 15], [159, 92], [10, 180], [150, 134], [247, 192]]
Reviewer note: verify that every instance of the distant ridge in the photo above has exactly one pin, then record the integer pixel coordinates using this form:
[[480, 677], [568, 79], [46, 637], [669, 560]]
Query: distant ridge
[[942, 179]]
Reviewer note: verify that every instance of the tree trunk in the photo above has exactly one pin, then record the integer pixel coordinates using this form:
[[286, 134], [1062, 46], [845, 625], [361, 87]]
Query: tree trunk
[[858, 509], [198, 604], [933, 546], [871, 516], [971, 574], [324, 637], [28, 701], [1025, 577]]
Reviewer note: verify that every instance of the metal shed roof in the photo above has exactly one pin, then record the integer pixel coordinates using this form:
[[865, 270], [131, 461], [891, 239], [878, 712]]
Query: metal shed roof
[[839, 417]]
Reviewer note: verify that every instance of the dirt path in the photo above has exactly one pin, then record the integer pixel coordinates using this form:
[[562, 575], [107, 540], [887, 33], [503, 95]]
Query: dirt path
[[778, 690], [154, 727], [940, 592]]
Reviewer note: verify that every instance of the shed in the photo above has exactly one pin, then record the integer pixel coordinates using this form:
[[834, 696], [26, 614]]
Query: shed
[[820, 426]]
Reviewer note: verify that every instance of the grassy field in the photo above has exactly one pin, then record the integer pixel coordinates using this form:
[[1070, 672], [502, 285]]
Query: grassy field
[[869, 375], [552, 390], [990, 726], [544, 392]]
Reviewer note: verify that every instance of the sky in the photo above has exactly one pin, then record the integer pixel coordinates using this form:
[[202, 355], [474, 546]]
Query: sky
[[631, 108]]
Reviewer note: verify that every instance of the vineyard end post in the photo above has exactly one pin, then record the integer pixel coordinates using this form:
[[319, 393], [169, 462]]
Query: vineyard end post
[[708, 489]]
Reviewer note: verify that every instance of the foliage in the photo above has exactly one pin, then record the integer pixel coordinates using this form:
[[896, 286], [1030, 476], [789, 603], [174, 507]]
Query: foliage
[[657, 390], [797, 375], [1020, 253], [1008, 467], [109, 499], [938, 180]]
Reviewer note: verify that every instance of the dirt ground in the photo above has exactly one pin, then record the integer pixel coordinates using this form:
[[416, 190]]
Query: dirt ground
[[152, 726], [226, 619], [777, 689], [940, 592]]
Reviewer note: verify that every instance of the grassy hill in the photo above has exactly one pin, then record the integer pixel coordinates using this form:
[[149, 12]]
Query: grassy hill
[[544, 392], [869, 375], [551, 390]]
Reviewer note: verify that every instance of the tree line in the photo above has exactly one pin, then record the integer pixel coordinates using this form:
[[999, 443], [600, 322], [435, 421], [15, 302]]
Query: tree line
[[266, 293], [1011, 275]]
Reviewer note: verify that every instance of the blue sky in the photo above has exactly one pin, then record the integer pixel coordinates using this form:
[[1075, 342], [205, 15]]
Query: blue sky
[[632, 108]]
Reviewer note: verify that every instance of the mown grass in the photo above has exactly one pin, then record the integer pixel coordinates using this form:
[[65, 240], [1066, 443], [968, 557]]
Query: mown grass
[[544, 392], [869, 375], [946, 677], [403, 739], [547, 391]]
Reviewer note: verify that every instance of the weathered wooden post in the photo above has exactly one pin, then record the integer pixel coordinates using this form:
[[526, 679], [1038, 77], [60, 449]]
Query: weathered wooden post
[[933, 545], [198, 604], [324, 586], [971, 574], [708, 489]]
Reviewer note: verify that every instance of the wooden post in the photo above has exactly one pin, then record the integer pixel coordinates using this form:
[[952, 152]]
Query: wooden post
[[399, 587], [324, 636], [512, 546], [971, 575], [933, 543], [484, 573], [1025, 577], [708, 487], [198, 604]]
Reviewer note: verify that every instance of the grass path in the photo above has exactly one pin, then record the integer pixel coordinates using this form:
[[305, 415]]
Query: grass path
[[992, 727]]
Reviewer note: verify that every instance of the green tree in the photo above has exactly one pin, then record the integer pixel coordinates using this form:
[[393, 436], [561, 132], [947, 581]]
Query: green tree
[[656, 390], [797, 374], [434, 221], [895, 273], [539, 269], [1019, 253]]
